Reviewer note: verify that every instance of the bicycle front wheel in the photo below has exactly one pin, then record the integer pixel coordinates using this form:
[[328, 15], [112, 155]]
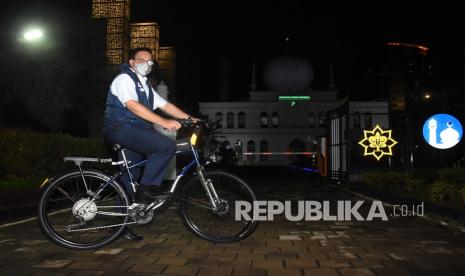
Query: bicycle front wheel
[[216, 224], [73, 216]]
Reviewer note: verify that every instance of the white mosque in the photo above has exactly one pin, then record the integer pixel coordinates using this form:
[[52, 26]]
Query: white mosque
[[288, 120]]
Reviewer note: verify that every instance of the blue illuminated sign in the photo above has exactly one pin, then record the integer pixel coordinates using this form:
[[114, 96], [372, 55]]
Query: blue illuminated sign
[[442, 131]]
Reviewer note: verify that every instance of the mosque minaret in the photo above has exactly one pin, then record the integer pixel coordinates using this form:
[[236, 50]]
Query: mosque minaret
[[432, 126]]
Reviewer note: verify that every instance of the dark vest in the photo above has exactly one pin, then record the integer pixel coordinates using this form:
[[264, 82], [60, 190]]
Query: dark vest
[[116, 112]]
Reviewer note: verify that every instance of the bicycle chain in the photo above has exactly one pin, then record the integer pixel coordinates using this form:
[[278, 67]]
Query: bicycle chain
[[99, 227]]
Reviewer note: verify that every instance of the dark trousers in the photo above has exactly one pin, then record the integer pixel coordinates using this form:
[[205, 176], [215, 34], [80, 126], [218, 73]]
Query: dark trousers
[[142, 143]]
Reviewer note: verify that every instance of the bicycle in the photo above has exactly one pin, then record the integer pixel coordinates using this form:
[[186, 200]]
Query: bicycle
[[88, 209]]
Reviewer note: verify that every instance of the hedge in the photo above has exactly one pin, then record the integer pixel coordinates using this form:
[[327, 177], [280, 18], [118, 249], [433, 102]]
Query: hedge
[[28, 157], [444, 186]]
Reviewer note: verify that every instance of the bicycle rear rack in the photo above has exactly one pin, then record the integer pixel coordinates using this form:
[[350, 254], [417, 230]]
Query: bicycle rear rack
[[79, 160]]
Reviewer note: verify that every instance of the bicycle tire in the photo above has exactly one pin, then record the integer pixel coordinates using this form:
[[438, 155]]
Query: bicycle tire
[[193, 225], [51, 233]]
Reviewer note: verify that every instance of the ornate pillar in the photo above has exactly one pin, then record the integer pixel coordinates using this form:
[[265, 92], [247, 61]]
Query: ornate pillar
[[117, 37], [146, 35]]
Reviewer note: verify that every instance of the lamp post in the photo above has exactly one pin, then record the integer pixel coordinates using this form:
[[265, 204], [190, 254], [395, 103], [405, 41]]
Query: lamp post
[[33, 35]]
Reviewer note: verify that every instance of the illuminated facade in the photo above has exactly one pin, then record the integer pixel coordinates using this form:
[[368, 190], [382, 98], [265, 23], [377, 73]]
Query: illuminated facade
[[117, 14], [146, 35]]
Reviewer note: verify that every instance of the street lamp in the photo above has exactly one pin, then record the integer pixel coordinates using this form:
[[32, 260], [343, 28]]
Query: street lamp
[[33, 35], [427, 95]]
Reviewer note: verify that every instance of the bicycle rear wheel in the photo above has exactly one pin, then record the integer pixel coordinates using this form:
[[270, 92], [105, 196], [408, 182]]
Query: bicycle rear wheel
[[220, 224], [73, 218]]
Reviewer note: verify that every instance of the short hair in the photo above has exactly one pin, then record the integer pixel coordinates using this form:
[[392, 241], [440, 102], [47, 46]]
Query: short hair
[[133, 52]]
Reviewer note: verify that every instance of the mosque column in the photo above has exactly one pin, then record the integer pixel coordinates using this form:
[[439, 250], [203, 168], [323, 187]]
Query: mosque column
[[170, 173]]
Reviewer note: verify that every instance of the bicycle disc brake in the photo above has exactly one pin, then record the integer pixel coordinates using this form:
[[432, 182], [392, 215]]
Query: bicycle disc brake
[[223, 207]]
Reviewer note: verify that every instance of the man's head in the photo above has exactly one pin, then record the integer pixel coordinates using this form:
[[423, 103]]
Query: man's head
[[141, 61]]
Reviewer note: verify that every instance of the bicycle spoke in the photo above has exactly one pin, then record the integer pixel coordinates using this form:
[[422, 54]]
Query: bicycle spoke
[[65, 193], [107, 196], [202, 203]]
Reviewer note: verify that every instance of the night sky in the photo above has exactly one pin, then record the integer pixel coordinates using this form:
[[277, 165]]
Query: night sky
[[347, 32]]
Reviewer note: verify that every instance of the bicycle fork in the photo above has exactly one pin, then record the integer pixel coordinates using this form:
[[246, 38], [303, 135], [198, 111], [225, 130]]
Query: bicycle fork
[[208, 186]]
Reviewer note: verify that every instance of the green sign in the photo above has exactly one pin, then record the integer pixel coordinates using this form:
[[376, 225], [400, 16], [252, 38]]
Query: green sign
[[294, 98]]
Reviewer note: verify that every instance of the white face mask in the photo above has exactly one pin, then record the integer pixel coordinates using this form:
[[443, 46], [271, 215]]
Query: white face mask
[[143, 69]]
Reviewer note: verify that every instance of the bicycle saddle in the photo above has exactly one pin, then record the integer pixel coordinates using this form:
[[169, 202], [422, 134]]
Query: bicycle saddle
[[117, 147]]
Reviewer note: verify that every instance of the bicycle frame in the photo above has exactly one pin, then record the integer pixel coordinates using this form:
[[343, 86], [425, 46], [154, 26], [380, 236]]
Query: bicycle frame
[[210, 190]]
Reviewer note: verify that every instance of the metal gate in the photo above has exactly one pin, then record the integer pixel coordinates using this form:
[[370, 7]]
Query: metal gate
[[337, 148]]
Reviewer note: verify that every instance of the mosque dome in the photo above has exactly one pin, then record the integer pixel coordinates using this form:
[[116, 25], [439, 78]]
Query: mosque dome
[[449, 136], [288, 73]]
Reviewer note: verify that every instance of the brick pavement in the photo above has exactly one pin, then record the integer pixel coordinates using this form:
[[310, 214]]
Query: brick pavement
[[400, 246]]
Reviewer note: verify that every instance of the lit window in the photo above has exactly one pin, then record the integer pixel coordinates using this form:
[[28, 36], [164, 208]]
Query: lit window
[[275, 119], [230, 120], [322, 119], [241, 120], [219, 119], [311, 119], [264, 119]]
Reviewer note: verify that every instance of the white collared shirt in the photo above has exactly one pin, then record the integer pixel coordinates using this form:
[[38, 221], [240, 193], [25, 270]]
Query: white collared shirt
[[123, 88]]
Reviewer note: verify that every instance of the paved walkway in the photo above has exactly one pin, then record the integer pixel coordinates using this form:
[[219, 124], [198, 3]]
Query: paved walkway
[[400, 246]]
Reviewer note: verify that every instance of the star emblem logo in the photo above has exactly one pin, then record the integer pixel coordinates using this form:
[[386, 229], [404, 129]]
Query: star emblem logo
[[377, 142]]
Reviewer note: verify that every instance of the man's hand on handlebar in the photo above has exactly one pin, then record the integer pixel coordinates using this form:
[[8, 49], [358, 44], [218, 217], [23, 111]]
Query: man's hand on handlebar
[[194, 119], [191, 122], [175, 124], [171, 124]]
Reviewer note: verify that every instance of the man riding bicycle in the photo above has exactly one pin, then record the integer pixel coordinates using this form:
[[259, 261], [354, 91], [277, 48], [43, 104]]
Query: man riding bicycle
[[129, 120]]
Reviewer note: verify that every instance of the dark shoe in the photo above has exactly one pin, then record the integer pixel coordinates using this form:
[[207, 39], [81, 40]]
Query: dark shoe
[[156, 190], [131, 236], [149, 193]]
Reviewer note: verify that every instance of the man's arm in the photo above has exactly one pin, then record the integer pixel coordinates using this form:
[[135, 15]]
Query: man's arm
[[146, 114], [174, 111]]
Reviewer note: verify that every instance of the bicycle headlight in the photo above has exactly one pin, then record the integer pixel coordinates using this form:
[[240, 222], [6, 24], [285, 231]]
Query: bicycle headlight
[[193, 139]]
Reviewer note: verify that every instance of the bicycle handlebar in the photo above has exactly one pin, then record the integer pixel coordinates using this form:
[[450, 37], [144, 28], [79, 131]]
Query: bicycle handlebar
[[190, 123]]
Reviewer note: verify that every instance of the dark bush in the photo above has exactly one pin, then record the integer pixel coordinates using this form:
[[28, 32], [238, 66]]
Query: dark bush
[[444, 186], [384, 181], [416, 184], [27, 157]]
